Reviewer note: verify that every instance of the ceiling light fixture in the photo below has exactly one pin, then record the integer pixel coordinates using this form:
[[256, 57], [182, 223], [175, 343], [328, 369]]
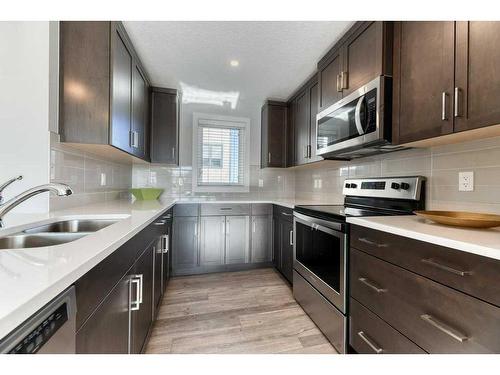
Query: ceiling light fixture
[[234, 63]]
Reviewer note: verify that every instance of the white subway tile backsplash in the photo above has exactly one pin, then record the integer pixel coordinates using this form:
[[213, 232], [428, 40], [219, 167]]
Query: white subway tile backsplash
[[83, 172]]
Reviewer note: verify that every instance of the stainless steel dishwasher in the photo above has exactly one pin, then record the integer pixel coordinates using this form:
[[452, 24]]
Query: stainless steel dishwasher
[[50, 330]]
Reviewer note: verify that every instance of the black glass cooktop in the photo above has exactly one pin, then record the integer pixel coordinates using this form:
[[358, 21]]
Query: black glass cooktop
[[337, 212]]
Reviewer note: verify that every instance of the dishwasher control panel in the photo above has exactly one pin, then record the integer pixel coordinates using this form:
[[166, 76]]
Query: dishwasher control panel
[[34, 340]]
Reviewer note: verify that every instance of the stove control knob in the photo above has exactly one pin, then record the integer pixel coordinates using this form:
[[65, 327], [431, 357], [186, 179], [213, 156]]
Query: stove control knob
[[405, 186], [347, 186], [354, 186], [395, 186]]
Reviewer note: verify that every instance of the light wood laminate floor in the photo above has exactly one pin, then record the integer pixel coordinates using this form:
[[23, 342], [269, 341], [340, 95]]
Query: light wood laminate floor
[[234, 312]]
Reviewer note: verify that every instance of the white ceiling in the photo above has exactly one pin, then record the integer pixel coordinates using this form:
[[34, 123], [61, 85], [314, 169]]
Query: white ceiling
[[275, 57]]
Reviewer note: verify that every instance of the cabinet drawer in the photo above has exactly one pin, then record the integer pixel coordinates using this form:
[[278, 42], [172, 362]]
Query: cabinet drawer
[[370, 334], [186, 209], [435, 317], [283, 212], [473, 274], [209, 209], [262, 209]]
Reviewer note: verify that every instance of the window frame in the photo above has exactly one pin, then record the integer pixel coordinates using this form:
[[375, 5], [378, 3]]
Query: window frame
[[223, 122]]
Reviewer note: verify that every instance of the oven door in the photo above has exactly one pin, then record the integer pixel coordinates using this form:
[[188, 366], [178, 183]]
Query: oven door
[[320, 251]]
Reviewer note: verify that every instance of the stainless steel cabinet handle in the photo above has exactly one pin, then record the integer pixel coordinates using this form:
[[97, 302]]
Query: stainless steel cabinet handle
[[339, 87], [161, 222], [444, 98], [135, 305], [269, 158], [369, 284], [370, 342], [443, 267], [140, 289], [286, 214], [134, 139], [167, 216], [443, 327], [226, 208], [253, 226], [457, 102], [343, 80], [165, 243], [369, 242], [291, 237], [173, 153]]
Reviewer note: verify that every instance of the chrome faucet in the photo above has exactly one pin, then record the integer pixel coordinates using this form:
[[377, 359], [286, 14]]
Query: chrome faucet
[[4, 185], [56, 188]]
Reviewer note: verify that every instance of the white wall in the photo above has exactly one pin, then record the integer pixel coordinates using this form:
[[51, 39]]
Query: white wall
[[24, 109]]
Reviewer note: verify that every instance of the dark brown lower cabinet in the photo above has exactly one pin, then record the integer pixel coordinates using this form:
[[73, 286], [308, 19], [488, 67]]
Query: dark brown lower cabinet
[[371, 335], [141, 315], [107, 330], [437, 318], [283, 241]]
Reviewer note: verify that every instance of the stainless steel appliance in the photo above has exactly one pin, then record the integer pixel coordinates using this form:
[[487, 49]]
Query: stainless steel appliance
[[359, 124], [51, 330], [321, 241]]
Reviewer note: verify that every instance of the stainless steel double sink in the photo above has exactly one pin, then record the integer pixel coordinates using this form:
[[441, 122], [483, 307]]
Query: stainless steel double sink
[[55, 233]]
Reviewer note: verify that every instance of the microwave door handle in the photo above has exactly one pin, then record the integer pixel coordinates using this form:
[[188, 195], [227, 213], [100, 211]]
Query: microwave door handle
[[357, 116]]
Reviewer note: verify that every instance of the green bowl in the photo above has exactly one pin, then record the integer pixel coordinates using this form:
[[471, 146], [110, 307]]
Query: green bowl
[[146, 194]]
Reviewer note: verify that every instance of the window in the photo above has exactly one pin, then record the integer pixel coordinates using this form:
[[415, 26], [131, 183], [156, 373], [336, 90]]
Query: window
[[220, 153]]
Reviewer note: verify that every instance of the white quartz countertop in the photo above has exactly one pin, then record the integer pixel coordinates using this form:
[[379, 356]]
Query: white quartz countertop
[[485, 242], [30, 278]]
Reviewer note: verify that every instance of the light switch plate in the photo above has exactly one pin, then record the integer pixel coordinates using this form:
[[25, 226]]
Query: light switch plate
[[466, 181], [261, 182]]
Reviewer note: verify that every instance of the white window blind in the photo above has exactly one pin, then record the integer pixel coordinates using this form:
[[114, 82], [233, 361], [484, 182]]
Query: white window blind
[[221, 153]]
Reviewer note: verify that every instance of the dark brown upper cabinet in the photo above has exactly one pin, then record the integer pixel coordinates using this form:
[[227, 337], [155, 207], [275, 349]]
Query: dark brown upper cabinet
[[104, 88], [445, 78], [304, 106], [477, 76], [290, 134], [423, 80], [164, 126], [273, 134], [362, 54]]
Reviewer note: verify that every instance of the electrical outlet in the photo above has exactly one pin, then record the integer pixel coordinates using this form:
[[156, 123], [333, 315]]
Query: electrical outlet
[[103, 179], [466, 181], [261, 182]]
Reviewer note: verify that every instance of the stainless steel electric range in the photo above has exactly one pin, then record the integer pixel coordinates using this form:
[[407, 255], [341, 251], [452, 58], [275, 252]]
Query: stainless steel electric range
[[321, 246]]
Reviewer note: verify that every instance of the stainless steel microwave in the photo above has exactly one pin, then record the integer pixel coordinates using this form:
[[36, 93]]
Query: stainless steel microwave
[[359, 124]]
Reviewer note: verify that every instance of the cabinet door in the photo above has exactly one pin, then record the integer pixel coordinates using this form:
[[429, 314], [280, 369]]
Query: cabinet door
[[274, 125], [302, 118], [276, 243], [261, 239], [121, 92], [167, 254], [158, 255], [212, 238], [142, 318], [328, 75], [139, 112], [477, 75], [313, 111], [107, 330], [423, 80], [286, 232], [164, 126], [363, 57], [185, 242], [237, 239], [290, 134]]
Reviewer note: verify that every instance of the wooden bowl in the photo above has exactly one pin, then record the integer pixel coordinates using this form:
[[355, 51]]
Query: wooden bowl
[[462, 219]]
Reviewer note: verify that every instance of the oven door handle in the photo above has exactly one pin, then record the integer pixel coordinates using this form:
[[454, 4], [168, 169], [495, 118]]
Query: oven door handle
[[319, 224], [357, 116]]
